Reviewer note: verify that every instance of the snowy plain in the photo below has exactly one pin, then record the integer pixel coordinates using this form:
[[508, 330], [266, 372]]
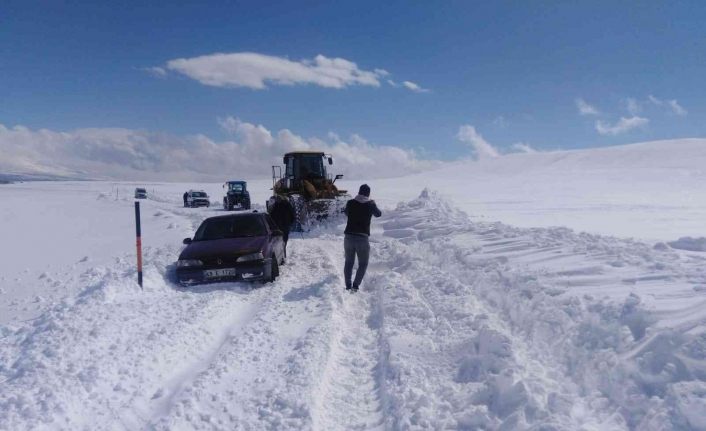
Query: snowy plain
[[535, 291], [650, 191]]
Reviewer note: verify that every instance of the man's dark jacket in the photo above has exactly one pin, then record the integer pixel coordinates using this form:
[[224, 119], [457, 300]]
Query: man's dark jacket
[[359, 211], [282, 213]]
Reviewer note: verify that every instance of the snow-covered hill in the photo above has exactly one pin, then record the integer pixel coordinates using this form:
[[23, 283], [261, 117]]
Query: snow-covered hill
[[652, 190], [463, 322]]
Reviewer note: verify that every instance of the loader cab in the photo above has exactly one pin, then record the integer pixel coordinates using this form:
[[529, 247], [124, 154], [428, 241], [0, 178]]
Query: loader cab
[[306, 166]]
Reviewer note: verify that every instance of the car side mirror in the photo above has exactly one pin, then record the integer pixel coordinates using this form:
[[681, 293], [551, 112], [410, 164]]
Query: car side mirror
[[339, 176], [330, 161], [187, 241]]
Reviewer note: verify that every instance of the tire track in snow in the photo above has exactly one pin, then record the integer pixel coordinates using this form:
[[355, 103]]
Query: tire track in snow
[[99, 357], [350, 391], [264, 376], [218, 311], [163, 399]]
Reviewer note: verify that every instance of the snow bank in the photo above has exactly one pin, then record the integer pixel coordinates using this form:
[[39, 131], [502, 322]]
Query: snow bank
[[689, 243], [515, 344]]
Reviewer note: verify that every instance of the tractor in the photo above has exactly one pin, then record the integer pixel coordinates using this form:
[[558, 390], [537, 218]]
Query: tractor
[[310, 189], [237, 195]]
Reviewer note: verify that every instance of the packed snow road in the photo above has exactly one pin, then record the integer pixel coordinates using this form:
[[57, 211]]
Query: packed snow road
[[459, 325]]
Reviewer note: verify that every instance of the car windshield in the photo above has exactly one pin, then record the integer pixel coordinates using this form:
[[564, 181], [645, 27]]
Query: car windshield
[[199, 195], [140, 190], [235, 187], [230, 227]]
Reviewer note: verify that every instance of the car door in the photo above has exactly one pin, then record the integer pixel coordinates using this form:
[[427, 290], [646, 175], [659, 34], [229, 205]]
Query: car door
[[276, 240]]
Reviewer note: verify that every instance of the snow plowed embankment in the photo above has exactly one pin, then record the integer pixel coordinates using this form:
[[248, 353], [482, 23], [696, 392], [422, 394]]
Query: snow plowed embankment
[[539, 326], [460, 325]]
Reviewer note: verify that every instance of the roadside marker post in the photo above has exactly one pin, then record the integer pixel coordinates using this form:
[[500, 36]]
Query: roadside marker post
[[138, 234]]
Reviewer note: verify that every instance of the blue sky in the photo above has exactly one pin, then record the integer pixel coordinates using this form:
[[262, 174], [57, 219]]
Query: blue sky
[[513, 70]]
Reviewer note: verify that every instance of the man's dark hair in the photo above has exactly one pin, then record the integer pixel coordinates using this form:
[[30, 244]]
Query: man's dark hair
[[364, 190]]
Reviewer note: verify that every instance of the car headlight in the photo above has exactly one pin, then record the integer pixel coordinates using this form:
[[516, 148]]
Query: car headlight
[[251, 256], [182, 263]]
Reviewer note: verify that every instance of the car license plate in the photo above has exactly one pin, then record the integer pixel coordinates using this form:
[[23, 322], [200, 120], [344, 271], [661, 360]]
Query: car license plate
[[223, 272]]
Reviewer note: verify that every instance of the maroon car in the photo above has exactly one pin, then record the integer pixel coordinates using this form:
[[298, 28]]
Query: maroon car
[[241, 246]]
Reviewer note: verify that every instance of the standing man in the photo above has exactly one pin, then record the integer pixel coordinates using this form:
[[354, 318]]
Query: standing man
[[186, 194], [282, 213], [359, 211]]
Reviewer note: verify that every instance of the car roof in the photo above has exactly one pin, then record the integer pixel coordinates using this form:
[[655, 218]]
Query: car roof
[[241, 214], [236, 181], [200, 191]]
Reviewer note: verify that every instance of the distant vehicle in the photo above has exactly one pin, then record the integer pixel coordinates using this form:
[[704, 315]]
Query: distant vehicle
[[197, 198], [140, 193], [308, 186], [244, 246], [237, 195]]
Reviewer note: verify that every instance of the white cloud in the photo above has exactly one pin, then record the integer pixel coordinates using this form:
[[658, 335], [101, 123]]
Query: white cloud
[[258, 71], [468, 135], [142, 155], [414, 87], [673, 106], [676, 107], [523, 148], [623, 125], [634, 107], [252, 70], [586, 109], [655, 100]]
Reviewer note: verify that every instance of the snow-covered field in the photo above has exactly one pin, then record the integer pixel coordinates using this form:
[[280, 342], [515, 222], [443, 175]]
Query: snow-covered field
[[463, 322], [653, 190]]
